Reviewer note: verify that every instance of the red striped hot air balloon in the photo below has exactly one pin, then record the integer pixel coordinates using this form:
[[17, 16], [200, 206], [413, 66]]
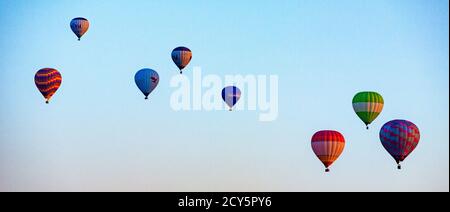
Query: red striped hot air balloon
[[328, 146], [48, 80]]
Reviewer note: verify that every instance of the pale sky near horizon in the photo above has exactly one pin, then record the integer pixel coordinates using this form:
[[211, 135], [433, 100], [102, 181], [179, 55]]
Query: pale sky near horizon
[[98, 133]]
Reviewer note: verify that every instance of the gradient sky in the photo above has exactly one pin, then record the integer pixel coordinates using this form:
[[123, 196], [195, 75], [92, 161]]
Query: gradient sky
[[98, 134]]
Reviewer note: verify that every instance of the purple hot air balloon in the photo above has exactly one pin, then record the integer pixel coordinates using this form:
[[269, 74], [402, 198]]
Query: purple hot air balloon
[[399, 138], [231, 95]]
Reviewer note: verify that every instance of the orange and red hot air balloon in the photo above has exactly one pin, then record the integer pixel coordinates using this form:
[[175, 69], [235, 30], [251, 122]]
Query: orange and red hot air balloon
[[328, 146], [181, 56], [48, 80]]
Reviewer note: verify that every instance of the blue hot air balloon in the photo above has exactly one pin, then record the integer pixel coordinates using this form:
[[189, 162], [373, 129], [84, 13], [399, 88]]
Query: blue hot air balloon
[[79, 26], [146, 80], [231, 95]]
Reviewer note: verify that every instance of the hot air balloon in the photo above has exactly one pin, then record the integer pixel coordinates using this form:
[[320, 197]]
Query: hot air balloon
[[368, 105], [79, 26], [181, 56], [399, 138], [328, 146], [146, 80], [231, 96], [48, 80]]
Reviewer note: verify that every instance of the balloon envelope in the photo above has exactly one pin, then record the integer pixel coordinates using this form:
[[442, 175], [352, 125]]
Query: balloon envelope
[[146, 80], [231, 95], [48, 81], [328, 146], [399, 138], [368, 105], [79, 26], [181, 56]]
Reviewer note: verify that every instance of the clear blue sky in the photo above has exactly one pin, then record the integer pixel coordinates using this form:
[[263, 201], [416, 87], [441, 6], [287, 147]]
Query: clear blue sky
[[99, 134]]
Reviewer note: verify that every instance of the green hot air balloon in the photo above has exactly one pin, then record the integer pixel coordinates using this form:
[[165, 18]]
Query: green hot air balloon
[[368, 105]]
